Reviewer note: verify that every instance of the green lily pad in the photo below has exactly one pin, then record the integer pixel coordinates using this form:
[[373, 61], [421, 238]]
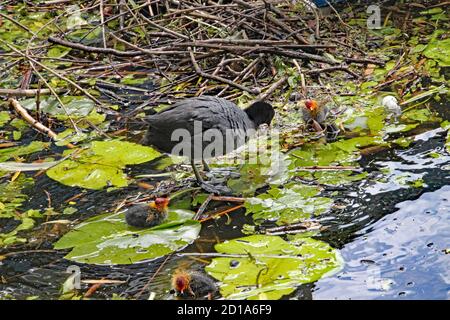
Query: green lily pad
[[11, 196], [12, 237], [438, 50], [338, 178], [75, 106], [343, 152], [252, 177], [447, 143], [101, 165], [446, 125], [419, 115], [404, 142], [4, 118], [58, 51], [291, 204], [19, 151], [271, 267], [393, 128], [107, 239]]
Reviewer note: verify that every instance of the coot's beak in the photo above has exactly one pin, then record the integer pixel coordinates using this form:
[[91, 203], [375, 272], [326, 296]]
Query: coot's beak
[[160, 204], [311, 104]]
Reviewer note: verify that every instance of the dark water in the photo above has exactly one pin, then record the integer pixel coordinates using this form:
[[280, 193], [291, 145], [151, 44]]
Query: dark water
[[392, 236], [402, 255]]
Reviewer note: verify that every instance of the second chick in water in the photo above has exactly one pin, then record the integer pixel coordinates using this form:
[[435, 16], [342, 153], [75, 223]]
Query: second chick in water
[[193, 284]]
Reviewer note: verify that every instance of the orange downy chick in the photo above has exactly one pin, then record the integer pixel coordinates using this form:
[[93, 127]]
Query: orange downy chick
[[145, 215]]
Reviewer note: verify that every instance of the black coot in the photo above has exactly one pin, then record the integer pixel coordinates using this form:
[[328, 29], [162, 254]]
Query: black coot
[[204, 127]]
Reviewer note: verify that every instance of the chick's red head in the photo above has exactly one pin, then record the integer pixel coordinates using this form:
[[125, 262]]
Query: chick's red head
[[160, 204], [311, 104], [181, 281]]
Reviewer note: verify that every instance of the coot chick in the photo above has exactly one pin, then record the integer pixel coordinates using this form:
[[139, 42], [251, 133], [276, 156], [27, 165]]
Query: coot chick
[[318, 117], [205, 127], [146, 215], [193, 284]]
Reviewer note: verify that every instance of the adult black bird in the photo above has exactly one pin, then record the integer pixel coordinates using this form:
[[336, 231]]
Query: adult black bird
[[205, 127]]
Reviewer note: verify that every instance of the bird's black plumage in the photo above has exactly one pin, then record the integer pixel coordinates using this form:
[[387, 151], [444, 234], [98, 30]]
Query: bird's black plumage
[[197, 116], [141, 215]]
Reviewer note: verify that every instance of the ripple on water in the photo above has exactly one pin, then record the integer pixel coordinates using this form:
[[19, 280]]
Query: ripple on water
[[406, 250]]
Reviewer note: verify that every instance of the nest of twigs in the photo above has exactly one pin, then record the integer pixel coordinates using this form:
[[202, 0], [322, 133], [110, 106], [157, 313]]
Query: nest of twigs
[[226, 48]]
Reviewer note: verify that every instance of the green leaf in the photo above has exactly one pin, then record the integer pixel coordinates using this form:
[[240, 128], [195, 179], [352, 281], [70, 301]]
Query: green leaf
[[252, 177], [343, 152], [58, 51], [393, 128], [74, 105], [11, 237], [375, 120], [271, 267], [107, 239], [291, 204], [438, 50], [338, 178], [403, 142], [447, 141], [4, 118], [17, 135], [132, 80], [273, 171], [101, 165], [11, 196], [19, 151], [431, 11], [418, 115]]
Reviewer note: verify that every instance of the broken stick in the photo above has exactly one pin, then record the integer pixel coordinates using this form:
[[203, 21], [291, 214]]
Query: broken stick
[[33, 122]]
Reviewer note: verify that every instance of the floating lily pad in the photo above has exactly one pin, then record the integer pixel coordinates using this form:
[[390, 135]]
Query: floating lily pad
[[19, 151], [393, 128], [58, 51], [77, 106], [11, 196], [252, 177], [107, 239], [255, 176], [403, 142], [338, 177], [291, 204], [101, 165], [419, 115], [12, 236], [343, 152], [270, 267], [4, 118], [446, 125], [438, 50]]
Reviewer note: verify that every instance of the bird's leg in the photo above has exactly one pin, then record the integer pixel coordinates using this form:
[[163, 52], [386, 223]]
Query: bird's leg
[[205, 166], [316, 126], [332, 132], [197, 174], [210, 188]]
